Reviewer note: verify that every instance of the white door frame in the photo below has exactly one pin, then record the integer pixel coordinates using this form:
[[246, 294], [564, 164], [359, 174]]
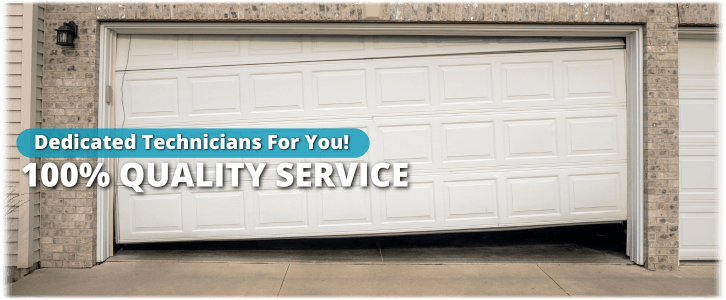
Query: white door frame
[[634, 81]]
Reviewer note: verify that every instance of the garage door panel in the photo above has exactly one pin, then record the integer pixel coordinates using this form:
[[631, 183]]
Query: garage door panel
[[337, 43], [701, 150], [555, 195], [594, 192], [160, 212], [502, 141], [281, 208], [264, 45], [402, 86], [211, 47], [468, 141], [471, 199], [343, 89], [701, 229], [152, 98], [589, 79], [174, 51], [494, 140], [344, 206], [465, 84], [528, 81], [276, 92], [413, 204], [214, 95], [141, 222], [410, 143], [324, 90], [530, 139], [533, 196], [218, 210], [455, 200], [593, 135], [153, 49]]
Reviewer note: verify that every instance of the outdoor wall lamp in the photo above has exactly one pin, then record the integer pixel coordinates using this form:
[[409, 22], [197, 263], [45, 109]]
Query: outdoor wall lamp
[[67, 33]]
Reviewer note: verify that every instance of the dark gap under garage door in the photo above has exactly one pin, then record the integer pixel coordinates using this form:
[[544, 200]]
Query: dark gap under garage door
[[603, 243]]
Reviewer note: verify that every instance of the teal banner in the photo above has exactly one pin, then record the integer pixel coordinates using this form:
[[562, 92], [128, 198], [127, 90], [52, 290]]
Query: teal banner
[[189, 143]]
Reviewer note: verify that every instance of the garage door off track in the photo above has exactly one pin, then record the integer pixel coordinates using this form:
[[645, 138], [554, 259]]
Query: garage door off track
[[498, 132]]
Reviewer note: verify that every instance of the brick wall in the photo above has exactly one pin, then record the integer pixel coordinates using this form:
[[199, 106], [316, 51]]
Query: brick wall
[[661, 135], [70, 91], [68, 235]]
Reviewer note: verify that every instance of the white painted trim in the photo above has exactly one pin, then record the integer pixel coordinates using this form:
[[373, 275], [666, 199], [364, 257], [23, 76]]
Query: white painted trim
[[632, 33], [636, 164], [370, 29], [104, 240], [697, 32]]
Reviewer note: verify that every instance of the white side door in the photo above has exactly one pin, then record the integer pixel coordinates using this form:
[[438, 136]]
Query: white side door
[[698, 83]]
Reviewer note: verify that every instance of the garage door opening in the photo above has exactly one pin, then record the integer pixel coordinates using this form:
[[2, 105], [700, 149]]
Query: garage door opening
[[550, 115], [598, 243]]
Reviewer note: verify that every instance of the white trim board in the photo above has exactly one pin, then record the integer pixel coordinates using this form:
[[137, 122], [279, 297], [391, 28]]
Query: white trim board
[[634, 73], [698, 32]]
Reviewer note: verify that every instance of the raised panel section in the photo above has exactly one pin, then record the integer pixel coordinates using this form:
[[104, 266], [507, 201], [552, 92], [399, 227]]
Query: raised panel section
[[215, 95], [214, 45], [697, 115], [698, 56], [277, 92], [699, 230], [153, 98], [345, 206], [528, 82], [594, 193], [391, 42], [406, 143], [592, 136], [153, 47], [466, 84], [412, 204], [698, 172], [468, 141], [282, 208], [589, 79], [467, 200], [219, 210], [533, 196], [157, 213], [408, 86], [337, 43], [447, 41], [339, 89], [274, 44], [530, 139]]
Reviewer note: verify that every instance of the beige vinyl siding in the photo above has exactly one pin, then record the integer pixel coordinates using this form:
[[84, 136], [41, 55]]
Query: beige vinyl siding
[[22, 237], [13, 91]]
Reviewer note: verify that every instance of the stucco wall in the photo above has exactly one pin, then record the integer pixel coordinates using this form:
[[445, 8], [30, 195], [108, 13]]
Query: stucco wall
[[71, 89]]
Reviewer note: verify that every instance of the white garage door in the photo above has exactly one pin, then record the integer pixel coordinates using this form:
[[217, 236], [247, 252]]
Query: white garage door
[[499, 132], [698, 82]]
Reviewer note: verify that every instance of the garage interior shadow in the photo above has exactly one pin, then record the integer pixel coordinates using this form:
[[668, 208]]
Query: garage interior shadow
[[599, 243]]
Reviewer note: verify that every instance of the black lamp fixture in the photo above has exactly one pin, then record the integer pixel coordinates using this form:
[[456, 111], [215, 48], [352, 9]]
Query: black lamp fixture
[[67, 33]]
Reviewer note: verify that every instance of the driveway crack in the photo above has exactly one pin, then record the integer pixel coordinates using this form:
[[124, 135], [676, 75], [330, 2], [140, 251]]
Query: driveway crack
[[283, 280], [548, 275]]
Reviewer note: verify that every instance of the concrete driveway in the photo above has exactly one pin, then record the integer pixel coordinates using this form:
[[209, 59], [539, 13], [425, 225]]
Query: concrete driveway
[[373, 279]]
